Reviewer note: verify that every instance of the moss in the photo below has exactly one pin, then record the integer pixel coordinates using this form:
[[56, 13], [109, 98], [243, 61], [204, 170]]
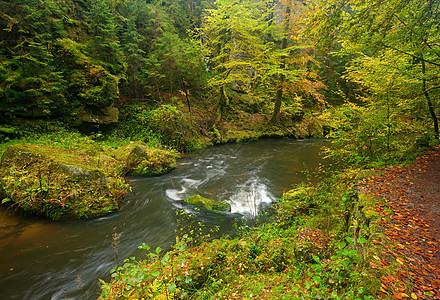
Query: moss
[[209, 204], [76, 179], [298, 201], [8, 130], [60, 184], [143, 160]]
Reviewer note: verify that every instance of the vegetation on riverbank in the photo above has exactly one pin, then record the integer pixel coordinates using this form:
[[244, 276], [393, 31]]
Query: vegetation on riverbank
[[178, 75], [66, 176], [317, 243]]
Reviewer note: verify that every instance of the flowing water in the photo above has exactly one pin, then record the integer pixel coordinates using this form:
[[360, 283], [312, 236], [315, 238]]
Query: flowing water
[[40, 259]]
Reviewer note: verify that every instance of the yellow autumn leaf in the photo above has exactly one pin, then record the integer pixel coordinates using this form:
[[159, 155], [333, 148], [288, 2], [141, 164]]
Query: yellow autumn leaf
[[414, 296]]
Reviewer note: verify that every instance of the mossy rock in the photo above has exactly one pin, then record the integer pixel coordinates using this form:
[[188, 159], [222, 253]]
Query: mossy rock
[[19, 155], [60, 184], [8, 130], [78, 172], [298, 193], [208, 204], [105, 116], [143, 160], [298, 201]]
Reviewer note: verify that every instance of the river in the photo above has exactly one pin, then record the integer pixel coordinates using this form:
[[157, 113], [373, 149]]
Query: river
[[40, 259]]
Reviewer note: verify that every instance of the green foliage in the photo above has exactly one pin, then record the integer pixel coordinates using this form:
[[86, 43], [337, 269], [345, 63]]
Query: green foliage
[[232, 40], [175, 127], [296, 256], [60, 59], [104, 44], [368, 135], [392, 52]]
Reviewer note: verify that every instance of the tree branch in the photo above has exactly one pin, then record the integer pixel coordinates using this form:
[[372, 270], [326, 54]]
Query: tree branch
[[423, 39], [412, 55]]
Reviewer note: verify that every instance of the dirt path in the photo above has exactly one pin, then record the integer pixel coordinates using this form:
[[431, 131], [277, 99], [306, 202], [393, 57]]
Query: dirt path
[[413, 226]]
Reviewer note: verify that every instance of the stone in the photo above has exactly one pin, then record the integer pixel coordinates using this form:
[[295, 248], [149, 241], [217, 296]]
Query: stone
[[209, 204], [299, 201], [104, 116], [77, 172], [59, 184], [143, 160]]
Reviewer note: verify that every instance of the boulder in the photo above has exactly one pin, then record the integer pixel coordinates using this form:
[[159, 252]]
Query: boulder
[[19, 156], [60, 184], [143, 160], [208, 204], [298, 201], [78, 173], [104, 116]]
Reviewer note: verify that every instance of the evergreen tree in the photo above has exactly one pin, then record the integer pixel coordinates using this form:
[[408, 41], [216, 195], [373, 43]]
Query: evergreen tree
[[30, 84]]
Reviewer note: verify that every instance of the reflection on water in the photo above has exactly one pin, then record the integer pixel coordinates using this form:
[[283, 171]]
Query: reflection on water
[[41, 259]]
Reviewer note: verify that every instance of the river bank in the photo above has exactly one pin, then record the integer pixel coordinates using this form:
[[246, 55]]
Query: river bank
[[355, 235], [323, 233], [90, 167], [47, 257]]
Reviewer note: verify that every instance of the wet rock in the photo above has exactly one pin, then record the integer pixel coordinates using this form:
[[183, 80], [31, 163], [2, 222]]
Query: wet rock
[[209, 204]]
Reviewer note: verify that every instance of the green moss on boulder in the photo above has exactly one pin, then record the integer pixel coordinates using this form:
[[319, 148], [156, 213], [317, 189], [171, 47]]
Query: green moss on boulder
[[209, 204], [143, 160], [297, 202], [60, 184], [89, 181]]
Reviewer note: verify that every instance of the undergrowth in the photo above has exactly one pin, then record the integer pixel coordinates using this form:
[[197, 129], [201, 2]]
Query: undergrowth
[[315, 246]]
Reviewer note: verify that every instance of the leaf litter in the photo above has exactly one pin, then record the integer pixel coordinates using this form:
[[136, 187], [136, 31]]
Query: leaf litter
[[412, 227]]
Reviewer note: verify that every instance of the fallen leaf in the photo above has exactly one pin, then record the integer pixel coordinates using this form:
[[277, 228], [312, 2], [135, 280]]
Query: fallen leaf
[[398, 296]]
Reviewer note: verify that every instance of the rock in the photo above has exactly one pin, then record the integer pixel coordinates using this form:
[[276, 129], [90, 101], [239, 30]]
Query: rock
[[298, 193], [143, 160], [18, 155], [209, 204], [60, 184], [104, 116], [77, 172], [298, 201]]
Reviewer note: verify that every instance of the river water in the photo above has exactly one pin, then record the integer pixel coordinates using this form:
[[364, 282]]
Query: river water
[[40, 259]]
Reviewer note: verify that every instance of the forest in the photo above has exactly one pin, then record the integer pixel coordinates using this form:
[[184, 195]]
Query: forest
[[95, 90]]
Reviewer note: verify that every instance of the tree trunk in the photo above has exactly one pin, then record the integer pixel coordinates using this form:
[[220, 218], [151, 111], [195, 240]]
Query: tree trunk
[[429, 102], [222, 103], [276, 111], [279, 97]]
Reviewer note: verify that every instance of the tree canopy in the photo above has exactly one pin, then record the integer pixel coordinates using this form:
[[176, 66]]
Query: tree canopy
[[61, 60]]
